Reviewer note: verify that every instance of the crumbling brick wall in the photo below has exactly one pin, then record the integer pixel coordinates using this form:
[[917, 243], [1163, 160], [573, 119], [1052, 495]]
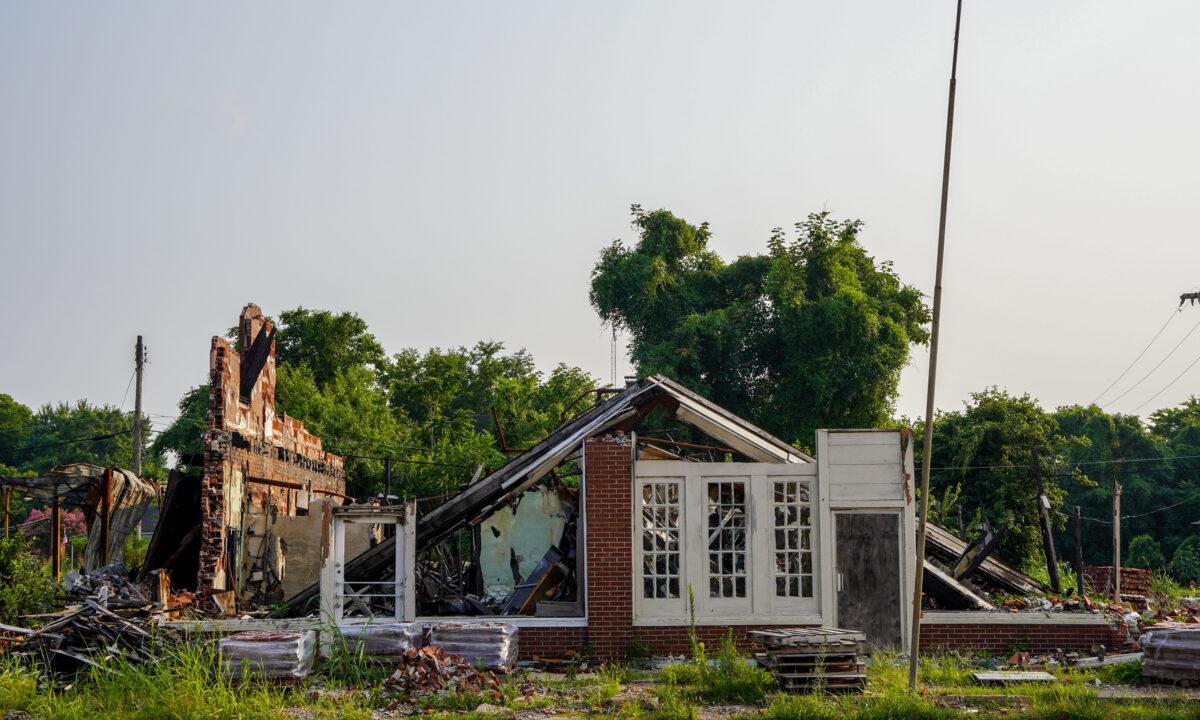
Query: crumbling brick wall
[[1134, 581], [258, 465]]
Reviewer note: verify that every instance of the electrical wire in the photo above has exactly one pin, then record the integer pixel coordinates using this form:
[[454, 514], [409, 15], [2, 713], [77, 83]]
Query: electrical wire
[[1168, 385], [1174, 312], [1156, 367]]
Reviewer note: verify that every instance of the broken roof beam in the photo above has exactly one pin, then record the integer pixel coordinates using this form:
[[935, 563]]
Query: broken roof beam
[[941, 543], [941, 586]]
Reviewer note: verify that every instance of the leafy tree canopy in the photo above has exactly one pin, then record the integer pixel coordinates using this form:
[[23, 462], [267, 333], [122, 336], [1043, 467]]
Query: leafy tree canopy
[[813, 333], [987, 448], [326, 343], [68, 433]]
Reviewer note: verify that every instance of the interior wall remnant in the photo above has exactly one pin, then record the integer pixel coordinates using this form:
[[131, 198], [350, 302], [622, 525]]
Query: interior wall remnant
[[301, 535], [259, 466], [516, 537]]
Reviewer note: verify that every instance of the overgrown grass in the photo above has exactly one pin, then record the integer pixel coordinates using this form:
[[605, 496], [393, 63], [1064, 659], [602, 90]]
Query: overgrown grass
[[187, 684], [601, 692]]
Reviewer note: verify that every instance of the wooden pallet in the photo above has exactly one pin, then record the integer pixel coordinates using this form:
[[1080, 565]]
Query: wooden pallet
[[802, 659]]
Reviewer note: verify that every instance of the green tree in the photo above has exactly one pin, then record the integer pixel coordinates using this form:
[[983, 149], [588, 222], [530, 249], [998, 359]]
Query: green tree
[[82, 432], [325, 343], [25, 584], [16, 422], [1185, 563], [989, 449], [185, 435], [1145, 552], [814, 333]]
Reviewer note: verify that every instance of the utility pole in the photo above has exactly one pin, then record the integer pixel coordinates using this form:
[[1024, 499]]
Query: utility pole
[[1078, 553], [927, 447], [139, 362], [1116, 523], [1047, 538], [387, 487]]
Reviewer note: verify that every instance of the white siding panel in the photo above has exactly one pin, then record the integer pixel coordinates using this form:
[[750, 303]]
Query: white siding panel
[[865, 438], [890, 491], [864, 455], [865, 474]]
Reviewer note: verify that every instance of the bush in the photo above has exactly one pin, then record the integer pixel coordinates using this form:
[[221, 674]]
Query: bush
[[1145, 552], [1185, 565], [25, 584]]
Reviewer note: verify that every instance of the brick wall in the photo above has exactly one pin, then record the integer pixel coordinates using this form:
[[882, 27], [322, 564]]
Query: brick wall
[[608, 476], [1005, 638], [1134, 581], [265, 463]]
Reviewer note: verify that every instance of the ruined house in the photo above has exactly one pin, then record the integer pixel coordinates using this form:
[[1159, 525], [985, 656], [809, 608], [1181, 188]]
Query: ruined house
[[761, 532], [262, 473]]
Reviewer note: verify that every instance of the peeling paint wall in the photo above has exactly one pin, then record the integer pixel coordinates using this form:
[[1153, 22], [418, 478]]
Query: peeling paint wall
[[523, 531], [258, 466]]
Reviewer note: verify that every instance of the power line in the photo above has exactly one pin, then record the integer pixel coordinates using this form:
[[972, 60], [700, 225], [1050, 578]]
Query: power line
[[1156, 367], [1174, 311], [1168, 385]]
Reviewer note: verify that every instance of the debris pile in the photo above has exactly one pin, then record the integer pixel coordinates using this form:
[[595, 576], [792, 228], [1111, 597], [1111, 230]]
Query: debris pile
[[90, 634], [381, 640], [490, 645], [804, 658], [272, 655], [432, 670]]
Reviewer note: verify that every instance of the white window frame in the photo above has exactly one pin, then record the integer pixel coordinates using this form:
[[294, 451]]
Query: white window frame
[[761, 602], [333, 580]]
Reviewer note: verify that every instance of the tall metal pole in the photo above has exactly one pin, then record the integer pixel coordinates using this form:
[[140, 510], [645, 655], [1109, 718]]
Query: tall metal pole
[[1116, 523], [139, 360], [927, 448]]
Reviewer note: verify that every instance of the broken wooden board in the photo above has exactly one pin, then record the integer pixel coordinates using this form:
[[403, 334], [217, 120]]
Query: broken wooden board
[[944, 545], [940, 585], [1003, 677]]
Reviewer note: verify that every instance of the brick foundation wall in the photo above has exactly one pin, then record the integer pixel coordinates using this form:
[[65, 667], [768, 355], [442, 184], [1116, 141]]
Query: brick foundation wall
[[1001, 638]]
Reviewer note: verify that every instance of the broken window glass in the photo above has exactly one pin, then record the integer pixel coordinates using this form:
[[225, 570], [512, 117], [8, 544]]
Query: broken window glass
[[660, 540], [793, 539]]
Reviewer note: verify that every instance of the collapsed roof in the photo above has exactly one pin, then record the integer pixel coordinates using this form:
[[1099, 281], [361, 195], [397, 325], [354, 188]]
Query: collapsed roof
[[620, 412]]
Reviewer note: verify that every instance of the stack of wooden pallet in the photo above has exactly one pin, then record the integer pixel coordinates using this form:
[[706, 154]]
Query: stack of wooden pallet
[[805, 659]]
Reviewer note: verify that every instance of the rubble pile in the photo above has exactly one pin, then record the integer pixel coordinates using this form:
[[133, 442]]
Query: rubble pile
[[432, 670], [90, 634]]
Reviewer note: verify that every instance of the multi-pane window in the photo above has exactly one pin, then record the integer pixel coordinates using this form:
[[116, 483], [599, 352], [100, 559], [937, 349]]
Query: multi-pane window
[[793, 539], [660, 540], [727, 540]]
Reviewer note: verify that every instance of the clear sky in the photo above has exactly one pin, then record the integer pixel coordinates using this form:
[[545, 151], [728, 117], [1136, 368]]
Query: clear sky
[[450, 171]]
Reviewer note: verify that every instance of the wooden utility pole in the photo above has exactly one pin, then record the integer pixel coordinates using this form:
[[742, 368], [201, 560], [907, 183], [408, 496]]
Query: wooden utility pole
[[1078, 552], [139, 360], [1116, 523], [935, 326], [1047, 537], [56, 536], [7, 510]]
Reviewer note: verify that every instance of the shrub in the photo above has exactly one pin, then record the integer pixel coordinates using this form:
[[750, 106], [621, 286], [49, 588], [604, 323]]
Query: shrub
[[1185, 565], [1145, 552], [25, 584]]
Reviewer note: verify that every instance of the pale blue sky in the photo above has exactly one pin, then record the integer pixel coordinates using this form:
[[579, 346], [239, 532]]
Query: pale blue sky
[[451, 170]]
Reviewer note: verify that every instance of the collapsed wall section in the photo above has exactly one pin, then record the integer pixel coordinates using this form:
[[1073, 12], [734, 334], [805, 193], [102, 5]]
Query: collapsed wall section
[[259, 466]]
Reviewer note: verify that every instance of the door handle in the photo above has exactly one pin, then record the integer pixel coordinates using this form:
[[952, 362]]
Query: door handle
[[839, 582]]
